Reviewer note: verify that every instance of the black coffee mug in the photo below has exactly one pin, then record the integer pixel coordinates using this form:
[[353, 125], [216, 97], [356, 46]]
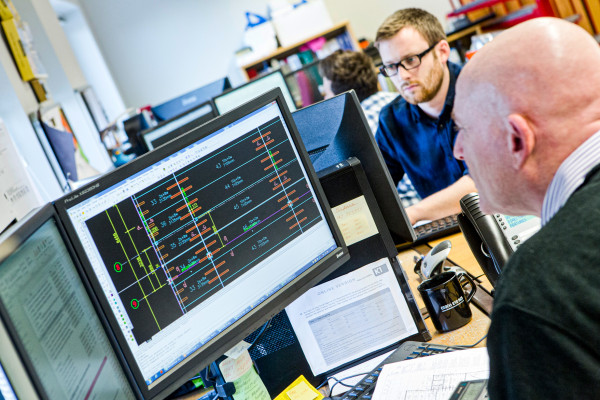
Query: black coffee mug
[[445, 299]]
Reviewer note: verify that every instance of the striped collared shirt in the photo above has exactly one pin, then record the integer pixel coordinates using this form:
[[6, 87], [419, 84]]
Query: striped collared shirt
[[373, 104], [570, 175]]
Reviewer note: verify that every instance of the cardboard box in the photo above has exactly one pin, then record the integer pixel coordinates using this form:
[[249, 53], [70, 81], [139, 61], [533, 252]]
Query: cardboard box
[[304, 21]]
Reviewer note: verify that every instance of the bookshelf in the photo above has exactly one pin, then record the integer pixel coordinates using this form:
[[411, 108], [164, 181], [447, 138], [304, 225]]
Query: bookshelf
[[340, 32], [585, 13], [299, 62]]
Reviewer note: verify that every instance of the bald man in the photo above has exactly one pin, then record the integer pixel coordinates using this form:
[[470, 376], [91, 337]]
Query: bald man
[[528, 110]]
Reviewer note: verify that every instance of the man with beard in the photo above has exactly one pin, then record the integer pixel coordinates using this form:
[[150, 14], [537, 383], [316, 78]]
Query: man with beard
[[416, 133]]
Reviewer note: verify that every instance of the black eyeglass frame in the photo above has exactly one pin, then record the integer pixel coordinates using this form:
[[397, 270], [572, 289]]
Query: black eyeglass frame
[[383, 71]]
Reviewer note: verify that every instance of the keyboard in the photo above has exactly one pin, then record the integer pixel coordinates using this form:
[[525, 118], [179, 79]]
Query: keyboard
[[408, 350], [433, 230]]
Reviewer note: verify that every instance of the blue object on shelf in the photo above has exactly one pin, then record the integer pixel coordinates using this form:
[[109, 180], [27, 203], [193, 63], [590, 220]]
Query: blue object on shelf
[[258, 19]]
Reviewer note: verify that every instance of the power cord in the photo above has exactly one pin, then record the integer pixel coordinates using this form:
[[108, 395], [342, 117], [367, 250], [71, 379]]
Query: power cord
[[260, 333], [340, 381], [466, 346]]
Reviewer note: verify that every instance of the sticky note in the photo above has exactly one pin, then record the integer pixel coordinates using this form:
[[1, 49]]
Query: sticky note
[[300, 389]]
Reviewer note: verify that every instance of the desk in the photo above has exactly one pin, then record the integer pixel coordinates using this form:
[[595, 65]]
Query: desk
[[460, 255]]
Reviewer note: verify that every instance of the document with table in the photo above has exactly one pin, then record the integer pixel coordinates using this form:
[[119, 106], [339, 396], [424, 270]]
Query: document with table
[[434, 377], [343, 319]]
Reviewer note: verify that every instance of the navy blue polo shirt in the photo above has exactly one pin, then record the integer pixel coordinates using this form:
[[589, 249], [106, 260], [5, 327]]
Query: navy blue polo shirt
[[412, 142]]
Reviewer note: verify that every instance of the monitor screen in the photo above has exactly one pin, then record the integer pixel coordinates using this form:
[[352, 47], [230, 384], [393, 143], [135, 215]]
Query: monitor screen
[[6, 390], [194, 245], [237, 96], [175, 107], [334, 130], [48, 313], [176, 127]]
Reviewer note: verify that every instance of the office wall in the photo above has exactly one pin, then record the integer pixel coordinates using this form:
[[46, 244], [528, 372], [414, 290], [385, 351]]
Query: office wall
[[18, 101], [89, 57], [159, 49]]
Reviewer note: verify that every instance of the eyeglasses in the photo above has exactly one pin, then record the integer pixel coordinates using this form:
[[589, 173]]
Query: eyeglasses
[[410, 62]]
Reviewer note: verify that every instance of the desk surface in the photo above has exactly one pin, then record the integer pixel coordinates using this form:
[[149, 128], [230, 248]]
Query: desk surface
[[462, 256]]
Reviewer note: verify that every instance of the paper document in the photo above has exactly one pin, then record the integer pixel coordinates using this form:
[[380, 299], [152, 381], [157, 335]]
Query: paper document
[[248, 385], [346, 318], [18, 195], [355, 220], [433, 377]]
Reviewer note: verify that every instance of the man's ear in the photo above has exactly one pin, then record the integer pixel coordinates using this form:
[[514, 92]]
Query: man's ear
[[521, 140], [443, 50]]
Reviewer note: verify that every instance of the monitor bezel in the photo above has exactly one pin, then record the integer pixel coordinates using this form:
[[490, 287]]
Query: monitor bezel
[[251, 82], [224, 83], [260, 314], [144, 134], [18, 234]]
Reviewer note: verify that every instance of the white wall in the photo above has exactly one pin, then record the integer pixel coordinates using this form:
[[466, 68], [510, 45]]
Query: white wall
[[159, 49], [366, 16], [89, 57]]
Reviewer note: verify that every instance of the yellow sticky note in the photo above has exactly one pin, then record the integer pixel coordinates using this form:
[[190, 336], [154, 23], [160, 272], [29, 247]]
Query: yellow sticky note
[[301, 392], [300, 389]]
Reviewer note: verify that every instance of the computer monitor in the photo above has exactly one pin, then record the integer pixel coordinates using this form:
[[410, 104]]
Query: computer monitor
[[175, 107], [173, 128], [235, 97], [194, 245], [7, 392], [133, 127], [336, 129], [50, 322]]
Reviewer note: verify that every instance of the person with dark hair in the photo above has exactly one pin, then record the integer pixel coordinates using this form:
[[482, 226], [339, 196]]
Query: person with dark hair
[[344, 70], [416, 133]]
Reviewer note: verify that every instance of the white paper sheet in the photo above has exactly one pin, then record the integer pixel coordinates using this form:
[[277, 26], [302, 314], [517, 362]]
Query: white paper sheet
[[18, 195], [355, 220], [348, 317], [432, 377]]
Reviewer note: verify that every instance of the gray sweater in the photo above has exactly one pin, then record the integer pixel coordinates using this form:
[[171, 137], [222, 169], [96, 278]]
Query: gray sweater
[[544, 340]]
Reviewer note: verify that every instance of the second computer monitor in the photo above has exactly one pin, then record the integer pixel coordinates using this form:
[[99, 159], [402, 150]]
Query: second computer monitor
[[193, 246], [336, 129], [235, 97], [178, 126], [52, 337], [182, 104]]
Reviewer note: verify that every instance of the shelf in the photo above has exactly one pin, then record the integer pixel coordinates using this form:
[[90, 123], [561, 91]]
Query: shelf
[[474, 6], [284, 52]]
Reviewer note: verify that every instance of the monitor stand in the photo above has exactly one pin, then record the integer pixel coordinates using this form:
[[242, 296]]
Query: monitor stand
[[212, 376]]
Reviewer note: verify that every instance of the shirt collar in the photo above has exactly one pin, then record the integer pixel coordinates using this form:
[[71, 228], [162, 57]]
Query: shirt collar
[[570, 175], [453, 70]]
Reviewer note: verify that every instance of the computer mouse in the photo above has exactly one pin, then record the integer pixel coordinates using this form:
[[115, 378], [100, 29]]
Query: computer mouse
[[432, 263]]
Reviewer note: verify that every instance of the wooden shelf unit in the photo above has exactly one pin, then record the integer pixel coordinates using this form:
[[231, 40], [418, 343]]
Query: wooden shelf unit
[[282, 53]]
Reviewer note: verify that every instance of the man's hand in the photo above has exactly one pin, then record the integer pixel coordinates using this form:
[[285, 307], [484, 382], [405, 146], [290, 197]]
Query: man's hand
[[443, 203]]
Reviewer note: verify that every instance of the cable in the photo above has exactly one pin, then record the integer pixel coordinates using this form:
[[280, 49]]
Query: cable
[[340, 381], [474, 344], [262, 330]]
